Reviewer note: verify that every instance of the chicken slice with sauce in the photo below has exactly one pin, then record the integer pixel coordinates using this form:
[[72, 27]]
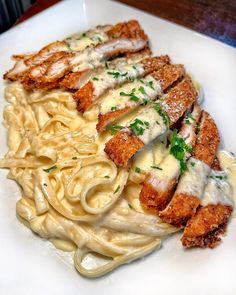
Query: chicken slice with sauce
[[151, 122], [160, 182], [192, 183]]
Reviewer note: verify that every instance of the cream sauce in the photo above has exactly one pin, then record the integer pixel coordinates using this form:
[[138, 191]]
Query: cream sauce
[[141, 89], [194, 179], [88, 39], [218, 189], [87, 59], [150, 155], [156, 125], [112, 78], [228, 164], [169, 169]]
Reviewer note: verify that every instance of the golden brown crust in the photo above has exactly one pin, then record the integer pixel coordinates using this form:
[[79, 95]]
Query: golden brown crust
[[122, 147], [33, 60], [179, 99], [168, 75], [181, 208], [71, 80], [153, 199], [151, 64], [130, 29], [216, 164], [105, 119], [207, 141], [84, 97], [204, 228]]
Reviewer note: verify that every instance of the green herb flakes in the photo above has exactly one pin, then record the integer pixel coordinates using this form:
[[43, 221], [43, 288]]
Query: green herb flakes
[[137, 170], [139, 126], [117, 189], [156, 167], [178, 148], [113, 129], [49, 170]]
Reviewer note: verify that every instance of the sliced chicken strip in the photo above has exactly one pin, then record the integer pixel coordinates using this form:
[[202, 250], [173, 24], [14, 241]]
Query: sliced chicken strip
[[79, 42], [210, 221], [161, 181], [151, 122], [192, 183], [141, 92], [97, 86]]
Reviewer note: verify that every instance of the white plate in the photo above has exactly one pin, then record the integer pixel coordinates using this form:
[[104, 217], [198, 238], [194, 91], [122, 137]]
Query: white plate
[[28, 264]]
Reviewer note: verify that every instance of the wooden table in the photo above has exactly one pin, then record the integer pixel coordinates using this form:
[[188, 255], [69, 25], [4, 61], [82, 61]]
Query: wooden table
[[215, 18]]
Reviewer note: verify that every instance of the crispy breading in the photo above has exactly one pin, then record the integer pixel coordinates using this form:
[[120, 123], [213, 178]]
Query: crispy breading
[[46, 52], [151, 64], [34, 59], [168, 75], [105, 119], [207, 141], [155, 200], [182, 207], [204, 228], [84, 97], [179, 99], [216, 164], [122, 147], [74, 80], [130, 29]]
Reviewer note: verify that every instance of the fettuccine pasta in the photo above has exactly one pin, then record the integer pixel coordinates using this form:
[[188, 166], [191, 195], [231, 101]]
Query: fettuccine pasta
[[72, 194]]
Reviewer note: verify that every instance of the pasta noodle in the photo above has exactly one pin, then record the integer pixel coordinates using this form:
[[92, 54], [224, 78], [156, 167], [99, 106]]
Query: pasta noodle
[[72, 194]]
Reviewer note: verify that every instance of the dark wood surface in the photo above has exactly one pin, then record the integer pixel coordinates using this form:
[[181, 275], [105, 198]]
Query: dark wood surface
[[215, 18]]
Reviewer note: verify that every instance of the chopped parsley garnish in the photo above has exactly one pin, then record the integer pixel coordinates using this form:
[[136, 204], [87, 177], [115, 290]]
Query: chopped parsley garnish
[[131, 95], [113, 129], [137, 170], [130, 206], [84, 35], [178, 149], [189, 119], [100, 40], [164, 116], [156, 167], [134, 67], [145, 102], [192, 164], [95, 79], [139, 126], [114, 108], [49, 170], [232, 154], [106, 65], [117, 74], [106, 176], [131, 79], [142, 90], [68, 46], [74, 158], [141, 80], [150, 84], [218, 177], [45, 184], [117, 189]]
